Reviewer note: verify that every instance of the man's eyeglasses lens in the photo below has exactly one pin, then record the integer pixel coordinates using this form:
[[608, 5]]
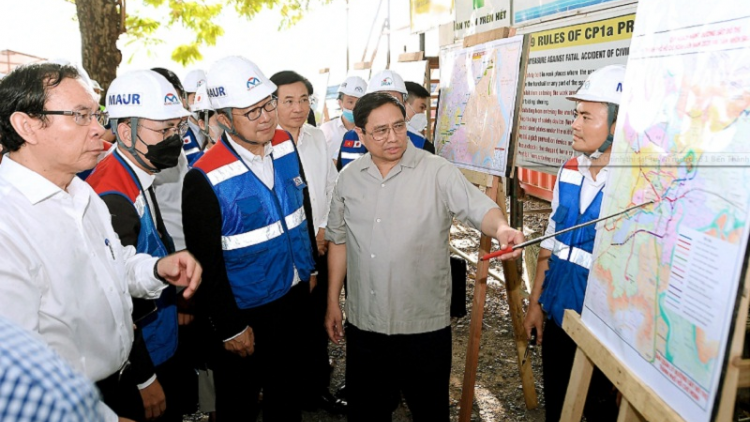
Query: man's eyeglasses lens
[[254, 113], [82, 118], [381, 133]]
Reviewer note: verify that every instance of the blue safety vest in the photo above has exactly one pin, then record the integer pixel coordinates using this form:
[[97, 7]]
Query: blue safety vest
[[565, 282], [113, 176], [192, 148], [352, 148], [264, 232]]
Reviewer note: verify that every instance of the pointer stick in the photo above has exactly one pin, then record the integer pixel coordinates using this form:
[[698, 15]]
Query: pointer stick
[[510, 249]]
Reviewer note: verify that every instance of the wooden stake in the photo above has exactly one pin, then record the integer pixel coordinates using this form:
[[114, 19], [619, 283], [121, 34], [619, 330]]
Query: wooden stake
[[578, 387]]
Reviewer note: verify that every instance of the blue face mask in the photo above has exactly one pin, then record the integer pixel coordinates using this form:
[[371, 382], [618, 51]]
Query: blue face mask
[[348, 115]]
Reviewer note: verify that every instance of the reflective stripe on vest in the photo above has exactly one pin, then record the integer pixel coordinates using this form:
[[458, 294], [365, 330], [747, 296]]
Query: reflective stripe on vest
[[574, 255], [264, 231]]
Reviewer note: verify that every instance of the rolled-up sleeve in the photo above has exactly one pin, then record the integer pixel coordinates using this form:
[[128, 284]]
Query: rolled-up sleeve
[[464, 200], [336, 228]]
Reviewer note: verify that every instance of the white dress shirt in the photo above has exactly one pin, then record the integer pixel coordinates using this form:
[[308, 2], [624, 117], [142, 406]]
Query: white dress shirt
[[589, 189], [168, 189], [320, 172], [64, 273], [334, 131]]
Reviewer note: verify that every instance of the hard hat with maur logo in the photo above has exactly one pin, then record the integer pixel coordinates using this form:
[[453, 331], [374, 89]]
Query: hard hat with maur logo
[[602, 86], [236, 82], [353, 86], [387, 80], [145, 94], [194, 79], [201, 103]]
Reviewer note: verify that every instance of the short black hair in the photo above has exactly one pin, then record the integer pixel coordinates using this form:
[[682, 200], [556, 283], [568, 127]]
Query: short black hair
[[416, 90], [370, 102], [26, 89], [288, 77], [173, 79]]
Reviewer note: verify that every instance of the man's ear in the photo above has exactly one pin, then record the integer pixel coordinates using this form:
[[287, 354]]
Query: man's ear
[[124, 132], [359, 132], [224, 120], [25, 126]]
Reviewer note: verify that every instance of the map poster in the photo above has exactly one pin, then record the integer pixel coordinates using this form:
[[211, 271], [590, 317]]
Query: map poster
[[478, 88], [559, 62], [664, 279]]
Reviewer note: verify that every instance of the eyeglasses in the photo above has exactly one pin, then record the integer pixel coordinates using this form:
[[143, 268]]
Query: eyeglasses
[[180, 129], [254, 113], [304, 102], [381, 133], [81, 117]]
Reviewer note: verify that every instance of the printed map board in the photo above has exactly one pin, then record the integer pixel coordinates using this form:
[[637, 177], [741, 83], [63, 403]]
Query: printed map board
[[664, 279]]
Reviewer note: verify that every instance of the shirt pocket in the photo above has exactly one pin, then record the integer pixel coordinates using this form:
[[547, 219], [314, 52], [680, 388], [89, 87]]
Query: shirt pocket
[[559, 216]]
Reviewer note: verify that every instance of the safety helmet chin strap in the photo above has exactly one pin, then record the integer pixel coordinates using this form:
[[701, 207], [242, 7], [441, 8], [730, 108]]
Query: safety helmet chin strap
[[230, 130], [132, 149], [612, 110]]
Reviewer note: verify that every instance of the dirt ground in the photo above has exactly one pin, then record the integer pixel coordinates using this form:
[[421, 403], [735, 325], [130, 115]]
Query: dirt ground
[[498, 392]]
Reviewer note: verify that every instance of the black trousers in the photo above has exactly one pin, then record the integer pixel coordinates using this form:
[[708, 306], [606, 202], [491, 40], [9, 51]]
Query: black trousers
[[275, 365], [317, 369], [379, 365], [558, 353], [120, 393]]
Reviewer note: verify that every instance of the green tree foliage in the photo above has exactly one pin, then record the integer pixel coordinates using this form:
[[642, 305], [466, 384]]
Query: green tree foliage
[[201, 17]]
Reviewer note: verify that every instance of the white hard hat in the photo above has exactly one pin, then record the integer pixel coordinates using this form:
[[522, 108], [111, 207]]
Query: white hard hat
[[602, 86], [145, 94], [194, 79], [387, 80], [236, 82], [201, 103], [95, 85], [353, 86]]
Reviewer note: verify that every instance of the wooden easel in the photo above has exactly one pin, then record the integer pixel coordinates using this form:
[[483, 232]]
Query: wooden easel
[[513, 283], [640, 403], [511, 270]]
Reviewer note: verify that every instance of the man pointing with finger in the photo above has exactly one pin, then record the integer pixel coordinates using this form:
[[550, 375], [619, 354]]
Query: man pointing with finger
[[64, 273]]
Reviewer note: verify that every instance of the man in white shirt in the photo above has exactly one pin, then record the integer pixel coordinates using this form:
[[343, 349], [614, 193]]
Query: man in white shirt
[[63, 272], [320, 175], [563, 263], [349, 92]]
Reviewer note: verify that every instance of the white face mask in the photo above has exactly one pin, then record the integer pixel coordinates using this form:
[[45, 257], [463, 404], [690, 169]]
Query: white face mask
[[418, 122]]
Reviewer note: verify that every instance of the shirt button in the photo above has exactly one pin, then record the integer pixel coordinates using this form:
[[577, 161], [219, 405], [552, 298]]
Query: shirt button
[[372, 255], [382, 185], [378, 220], [372, 292]]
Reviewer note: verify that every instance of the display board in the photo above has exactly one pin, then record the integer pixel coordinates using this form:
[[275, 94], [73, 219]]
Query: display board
[[664, 280], [528, 12], [475, 16], [478, 88], [560, 60]]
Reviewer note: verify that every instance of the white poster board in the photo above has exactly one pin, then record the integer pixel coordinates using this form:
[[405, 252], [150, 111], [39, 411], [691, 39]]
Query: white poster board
[[475, 16], [664, 280], [320, 87], [429, 14], [478, 88], [415, 71], [559, 61]]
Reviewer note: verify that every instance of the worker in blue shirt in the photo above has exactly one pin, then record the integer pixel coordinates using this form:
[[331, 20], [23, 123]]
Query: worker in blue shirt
[[392, 83], [564, 261]]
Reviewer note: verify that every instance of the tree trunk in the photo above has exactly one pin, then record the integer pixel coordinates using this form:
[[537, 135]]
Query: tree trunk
[[99, 21]]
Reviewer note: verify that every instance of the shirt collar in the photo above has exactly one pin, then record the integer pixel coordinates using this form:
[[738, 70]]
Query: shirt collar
[[246, 155], [199, 136], [144, 178], [584, 166], [30, 183]]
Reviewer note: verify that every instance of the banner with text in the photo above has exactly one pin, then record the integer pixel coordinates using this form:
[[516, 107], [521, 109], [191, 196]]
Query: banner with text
[[528, 12], [475, 16], [559, 62]]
